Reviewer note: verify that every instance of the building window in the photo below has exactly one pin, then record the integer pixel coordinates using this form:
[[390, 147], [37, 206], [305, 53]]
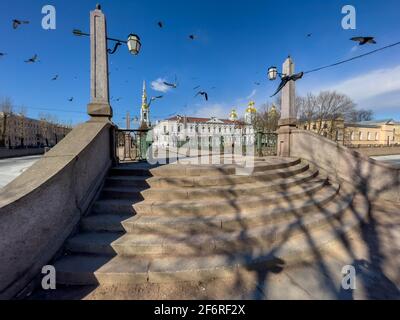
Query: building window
[[360, 136], [352, 135], [314, 127], [376, 136], [369, 136]]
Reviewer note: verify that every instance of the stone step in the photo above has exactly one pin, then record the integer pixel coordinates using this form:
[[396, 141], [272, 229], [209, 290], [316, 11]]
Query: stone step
[[215, 192], [212, 241], [228, 222], [127, 181], [113, 206], [113, 220], [243, 203], [104, 222], [172, 170], [219, 180], [195, 167], [181, 181], [84, 269], [129, 193], [227, 191]]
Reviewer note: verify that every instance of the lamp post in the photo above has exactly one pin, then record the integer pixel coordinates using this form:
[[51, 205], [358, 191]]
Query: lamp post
[[133, 42], [99, 107], [288, 108]]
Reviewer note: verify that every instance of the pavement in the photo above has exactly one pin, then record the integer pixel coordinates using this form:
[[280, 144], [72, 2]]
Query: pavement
[[373, 251], [13, 167], [393, 159]]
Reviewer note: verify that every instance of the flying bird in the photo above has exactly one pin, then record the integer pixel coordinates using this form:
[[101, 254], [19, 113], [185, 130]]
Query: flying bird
[[364, 40], [2, 54], [195, 88], [309, 35], [71, 99], [203, 93], [17, 23], [172, 85], [192, 37], [257, 83], [55, 78], [154, 98], [33, 59], [286, 79], [160, 24]]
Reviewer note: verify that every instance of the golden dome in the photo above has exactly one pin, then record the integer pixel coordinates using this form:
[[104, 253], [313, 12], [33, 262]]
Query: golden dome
[[251, 107], [233, 114]]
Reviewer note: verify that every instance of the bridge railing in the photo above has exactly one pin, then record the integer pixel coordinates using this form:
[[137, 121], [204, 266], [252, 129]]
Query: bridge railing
[[266, 143], [132, 144]]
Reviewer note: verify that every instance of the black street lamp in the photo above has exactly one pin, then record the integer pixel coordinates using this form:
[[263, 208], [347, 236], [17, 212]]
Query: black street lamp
[[133, 42]]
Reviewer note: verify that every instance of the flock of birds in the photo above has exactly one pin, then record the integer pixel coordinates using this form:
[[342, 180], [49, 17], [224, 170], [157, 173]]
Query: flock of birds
[[16, 23], [285, 79], [175, 84]]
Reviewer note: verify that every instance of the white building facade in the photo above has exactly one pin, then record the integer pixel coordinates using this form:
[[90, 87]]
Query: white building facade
[[204, 132]]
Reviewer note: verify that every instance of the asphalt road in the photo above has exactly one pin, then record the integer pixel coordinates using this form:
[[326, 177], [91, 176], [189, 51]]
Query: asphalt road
[[12, 167], [395, 159]]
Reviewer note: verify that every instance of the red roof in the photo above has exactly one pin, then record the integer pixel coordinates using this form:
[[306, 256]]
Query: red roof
[[204, 120]]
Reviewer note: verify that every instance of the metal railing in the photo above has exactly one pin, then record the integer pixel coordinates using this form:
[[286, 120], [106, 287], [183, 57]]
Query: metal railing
[[132, 145], [266, 144]]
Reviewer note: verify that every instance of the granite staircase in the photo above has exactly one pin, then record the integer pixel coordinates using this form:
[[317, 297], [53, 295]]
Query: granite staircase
[[192, 222]]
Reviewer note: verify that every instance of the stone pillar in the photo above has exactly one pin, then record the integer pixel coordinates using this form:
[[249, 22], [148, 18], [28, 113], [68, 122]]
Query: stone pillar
[[99, 107], [288, 111]]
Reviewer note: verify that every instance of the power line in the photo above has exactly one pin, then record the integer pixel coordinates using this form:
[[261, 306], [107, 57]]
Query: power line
[[55, 110], [351, 59]]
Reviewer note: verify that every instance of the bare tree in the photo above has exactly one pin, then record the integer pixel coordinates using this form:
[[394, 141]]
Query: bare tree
[[6, 107], [22, 113], [266, 118], [361, 115], [326, 106]]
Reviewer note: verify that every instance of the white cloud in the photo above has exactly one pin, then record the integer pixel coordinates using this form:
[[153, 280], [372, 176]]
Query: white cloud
[[252, 94], [214, 110], [354, 48], [378, 89], [370, 84], [158, 85]]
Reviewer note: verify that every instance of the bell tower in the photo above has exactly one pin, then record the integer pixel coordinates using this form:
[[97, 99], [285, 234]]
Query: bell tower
[[250, 113], [145, 110]]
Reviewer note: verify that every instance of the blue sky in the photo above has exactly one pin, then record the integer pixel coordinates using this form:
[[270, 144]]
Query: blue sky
[[236, 41]]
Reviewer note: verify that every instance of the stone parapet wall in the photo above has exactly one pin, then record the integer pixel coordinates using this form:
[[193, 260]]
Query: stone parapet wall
[[374, 178], [13, 153], [40, 209], [378, 151]]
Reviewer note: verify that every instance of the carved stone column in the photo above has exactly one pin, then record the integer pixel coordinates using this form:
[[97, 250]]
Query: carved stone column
[[288, 111], [99, 107]]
